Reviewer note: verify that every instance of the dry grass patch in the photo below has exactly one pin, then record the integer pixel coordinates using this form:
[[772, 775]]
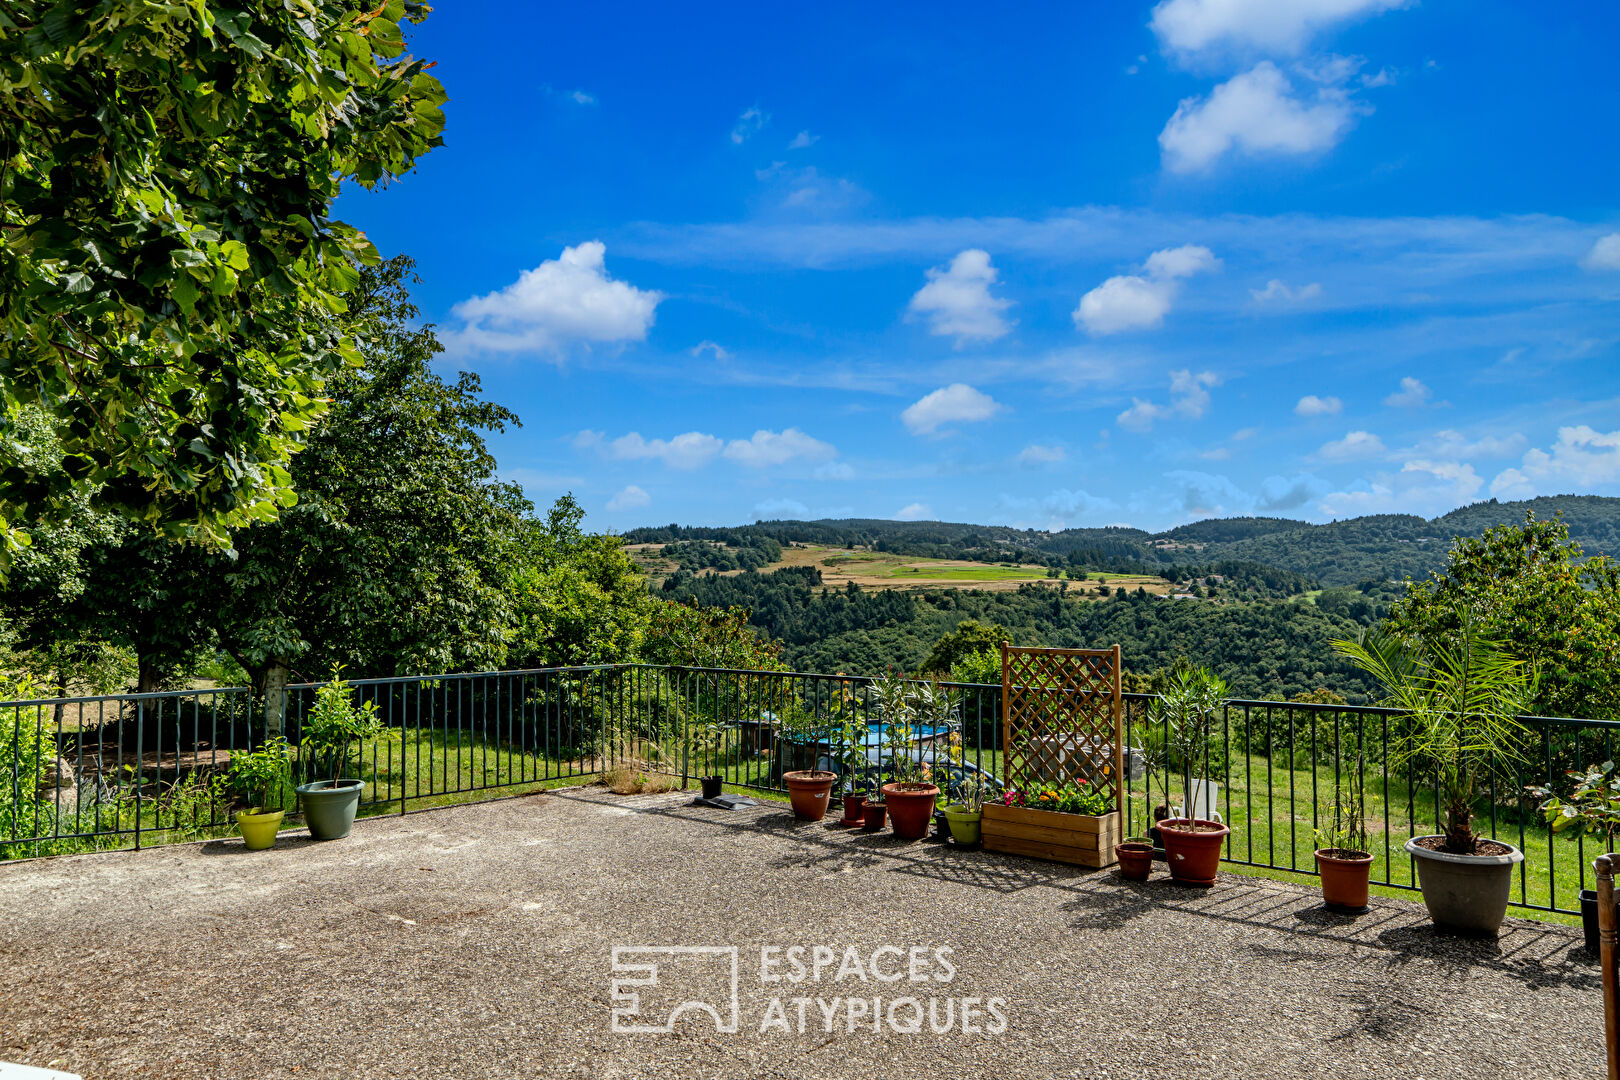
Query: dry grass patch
[[627, 780]]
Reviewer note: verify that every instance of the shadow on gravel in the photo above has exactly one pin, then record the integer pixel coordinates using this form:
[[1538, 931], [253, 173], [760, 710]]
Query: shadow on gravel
[[232, 845], [1399, 933]]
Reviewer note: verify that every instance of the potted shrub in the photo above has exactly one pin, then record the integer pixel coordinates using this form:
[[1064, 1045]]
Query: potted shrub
[[1592, 809], [1187, 708], [809, 791], [854, 808], [964, 814], [253, 777], [1343, 854], [333, 726], [1461, 699], [848, 752], [911, 794], [1135, 855], [874, 812]]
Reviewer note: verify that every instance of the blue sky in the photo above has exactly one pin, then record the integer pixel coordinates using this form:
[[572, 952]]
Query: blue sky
[[1050, 265]]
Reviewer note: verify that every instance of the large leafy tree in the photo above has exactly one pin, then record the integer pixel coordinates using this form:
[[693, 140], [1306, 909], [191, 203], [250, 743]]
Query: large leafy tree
[[1530, 588], [170, 278]]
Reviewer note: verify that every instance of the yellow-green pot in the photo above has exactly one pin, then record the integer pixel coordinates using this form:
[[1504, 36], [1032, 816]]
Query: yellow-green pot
[[259, 827], [964, 823]]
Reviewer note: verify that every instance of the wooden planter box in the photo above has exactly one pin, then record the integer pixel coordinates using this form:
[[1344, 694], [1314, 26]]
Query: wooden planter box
[[1043, 834]]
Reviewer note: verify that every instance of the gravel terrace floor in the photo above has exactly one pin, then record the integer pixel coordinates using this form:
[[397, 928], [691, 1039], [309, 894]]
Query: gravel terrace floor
[[479, 942]]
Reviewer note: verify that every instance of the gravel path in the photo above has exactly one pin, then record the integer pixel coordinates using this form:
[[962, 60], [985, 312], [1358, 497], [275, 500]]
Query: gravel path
[[478, 942]]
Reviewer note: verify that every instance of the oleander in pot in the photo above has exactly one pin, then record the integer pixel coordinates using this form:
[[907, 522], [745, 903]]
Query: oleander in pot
[[1460, 701], [905, 707], [1591, 808], [1187, 708], [253, 780], [333, 727]]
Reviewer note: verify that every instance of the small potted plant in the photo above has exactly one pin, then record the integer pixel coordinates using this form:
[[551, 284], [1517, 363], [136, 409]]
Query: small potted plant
[[848, 751], [253, 777], [1343, 853], [1192, 845], [965, 813], [874, 811], [1135, 855], [1592, 809], [1461, 701], [333, 726]]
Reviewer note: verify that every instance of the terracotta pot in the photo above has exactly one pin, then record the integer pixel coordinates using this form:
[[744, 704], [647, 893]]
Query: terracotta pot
[[854, 809], [1465, 892], [911, 808], [1193, 856], [809, 790], [1135, 860], [1344, 878], [873, 815]]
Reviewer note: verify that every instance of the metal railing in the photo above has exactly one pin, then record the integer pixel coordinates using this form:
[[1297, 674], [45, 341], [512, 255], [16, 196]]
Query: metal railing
[[82, 773]]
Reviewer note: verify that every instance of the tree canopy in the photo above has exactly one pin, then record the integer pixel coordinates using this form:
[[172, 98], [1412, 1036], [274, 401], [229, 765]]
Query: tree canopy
[[171, 282]]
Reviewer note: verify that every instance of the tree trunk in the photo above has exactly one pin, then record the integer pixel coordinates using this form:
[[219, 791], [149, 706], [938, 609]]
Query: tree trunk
[[150, 677], [274, 687]]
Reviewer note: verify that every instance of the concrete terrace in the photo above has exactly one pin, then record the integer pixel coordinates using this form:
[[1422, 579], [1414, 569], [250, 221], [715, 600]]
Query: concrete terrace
[[478, 941]]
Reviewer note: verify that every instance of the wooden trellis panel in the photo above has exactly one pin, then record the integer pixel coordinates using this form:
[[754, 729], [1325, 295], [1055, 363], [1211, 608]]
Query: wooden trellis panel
[[1062, 718]]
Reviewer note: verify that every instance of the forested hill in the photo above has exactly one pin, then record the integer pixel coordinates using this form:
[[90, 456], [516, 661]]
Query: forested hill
[[1383, 547]]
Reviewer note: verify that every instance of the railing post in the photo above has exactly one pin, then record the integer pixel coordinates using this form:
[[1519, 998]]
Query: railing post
[[1605, 867]]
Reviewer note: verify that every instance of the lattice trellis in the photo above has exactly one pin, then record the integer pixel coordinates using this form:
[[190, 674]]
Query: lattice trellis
[[1062, 718]]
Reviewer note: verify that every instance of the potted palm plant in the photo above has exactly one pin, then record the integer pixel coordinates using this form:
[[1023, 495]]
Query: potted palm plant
[[333, 726], [1343, 855], [1461, 700], [252, 778], [1592, 809], [1187, 708]]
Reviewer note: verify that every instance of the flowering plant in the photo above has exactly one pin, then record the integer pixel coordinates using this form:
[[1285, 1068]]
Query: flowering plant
[[1074, 797]]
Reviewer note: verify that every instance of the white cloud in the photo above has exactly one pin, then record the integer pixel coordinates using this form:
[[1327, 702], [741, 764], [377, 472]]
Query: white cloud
[[803, 140], [957, 301], [719, 351], [1036, 454], [689, 451], [1581, 461], [1427, 488], [1412, 394], [1605, 254], [769, 448], [1135, 302], [1255, 113], [562, 301], [1279, 292], [833, 470], [1311, 405], [777, 509], [749, 123], [1266, 26], [1353, 447], [948, 404], [1219, 453], [628, 499], [580, 97], [1454, 445], [1189, 398], [809, 189], [914, 512]]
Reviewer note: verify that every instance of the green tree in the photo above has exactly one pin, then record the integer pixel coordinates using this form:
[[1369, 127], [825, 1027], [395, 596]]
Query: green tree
[[969, 637], [1528, 587], [685, 635], [170, 279], [577, 597]]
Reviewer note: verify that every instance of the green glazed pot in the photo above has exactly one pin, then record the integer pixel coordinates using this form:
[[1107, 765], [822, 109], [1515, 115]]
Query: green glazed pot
[[329, 811], [964, 823]]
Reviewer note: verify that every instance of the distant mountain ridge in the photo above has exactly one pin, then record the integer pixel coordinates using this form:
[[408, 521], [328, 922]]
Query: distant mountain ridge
[[1378, 547]]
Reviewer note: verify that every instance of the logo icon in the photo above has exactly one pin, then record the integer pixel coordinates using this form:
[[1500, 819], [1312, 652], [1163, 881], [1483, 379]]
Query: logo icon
[[709, 968]]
